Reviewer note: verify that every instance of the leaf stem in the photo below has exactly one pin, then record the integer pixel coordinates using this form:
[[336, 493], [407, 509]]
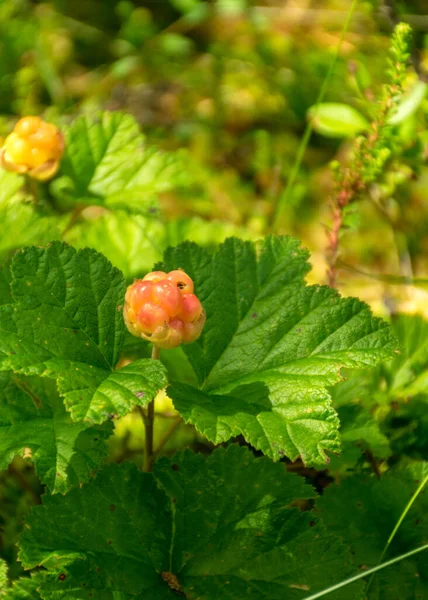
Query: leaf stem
[[149, 422], [285, 197], [398, 524], [388, 563]]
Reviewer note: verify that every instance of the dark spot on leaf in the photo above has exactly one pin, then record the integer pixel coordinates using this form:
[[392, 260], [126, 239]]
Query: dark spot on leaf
[[359, 504], [112, 507], [109, 542], [174, 500], [62, 576], [175, 467], [254, 315], [98, 569], [75, 331], [84, 584], [312, 523]]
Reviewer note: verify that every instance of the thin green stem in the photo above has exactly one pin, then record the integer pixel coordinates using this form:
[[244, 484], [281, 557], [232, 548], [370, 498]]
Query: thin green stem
[[285, 197], [73, 219], [388, 563], [149, 422], [398, 524], [32, 188]]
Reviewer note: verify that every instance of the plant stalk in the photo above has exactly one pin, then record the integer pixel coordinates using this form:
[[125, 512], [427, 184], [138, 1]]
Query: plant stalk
[[149, 422]]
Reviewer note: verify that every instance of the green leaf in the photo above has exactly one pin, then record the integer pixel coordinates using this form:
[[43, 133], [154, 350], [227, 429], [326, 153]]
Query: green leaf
[[213, 527], [336, 120], [21, 223], [67, 324], [132, 245], [5, 295], [358, 427], [270, 347], [409, 104], [363, 512], [33, 418], [3, 578], [411, 370], [24, 589], [391, 398], [109, 163]]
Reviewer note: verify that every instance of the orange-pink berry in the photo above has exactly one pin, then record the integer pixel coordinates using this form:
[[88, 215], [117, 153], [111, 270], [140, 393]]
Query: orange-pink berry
[[163, 309]]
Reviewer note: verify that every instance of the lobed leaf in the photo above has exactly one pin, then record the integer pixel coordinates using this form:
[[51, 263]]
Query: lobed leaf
[[203, 528], [270, 348], [109, 163], [67, 324], [33, 422], [363, 511]]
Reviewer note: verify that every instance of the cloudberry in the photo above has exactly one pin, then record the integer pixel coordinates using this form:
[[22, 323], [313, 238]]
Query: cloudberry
[[163, 309], [34, 147]]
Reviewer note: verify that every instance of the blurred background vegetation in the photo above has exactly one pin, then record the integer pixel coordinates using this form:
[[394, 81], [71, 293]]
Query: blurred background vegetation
[[231, 84], [232, 81]]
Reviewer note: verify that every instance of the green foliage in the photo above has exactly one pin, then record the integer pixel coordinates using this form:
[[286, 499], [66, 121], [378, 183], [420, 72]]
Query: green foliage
[[24, 589], [67, 324], [33, 418], [383, 409], [220, 525], [409, 104], [3, 578], [363, 511], [336, 120], [270, 347], [222, 96], [21, 222], [108, 163]]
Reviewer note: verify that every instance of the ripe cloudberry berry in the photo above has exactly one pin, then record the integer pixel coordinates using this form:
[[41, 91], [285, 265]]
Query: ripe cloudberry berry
[[181, 280], [34, 147], [163, 309]]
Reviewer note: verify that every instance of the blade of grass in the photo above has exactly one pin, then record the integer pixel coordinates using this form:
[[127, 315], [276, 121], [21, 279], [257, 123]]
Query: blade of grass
[[397, 525], [388, 563], [392, 279], [284, 198]]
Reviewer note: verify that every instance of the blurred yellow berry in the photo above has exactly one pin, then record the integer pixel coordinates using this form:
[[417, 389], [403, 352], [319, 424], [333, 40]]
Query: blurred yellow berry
[[34, 147]]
